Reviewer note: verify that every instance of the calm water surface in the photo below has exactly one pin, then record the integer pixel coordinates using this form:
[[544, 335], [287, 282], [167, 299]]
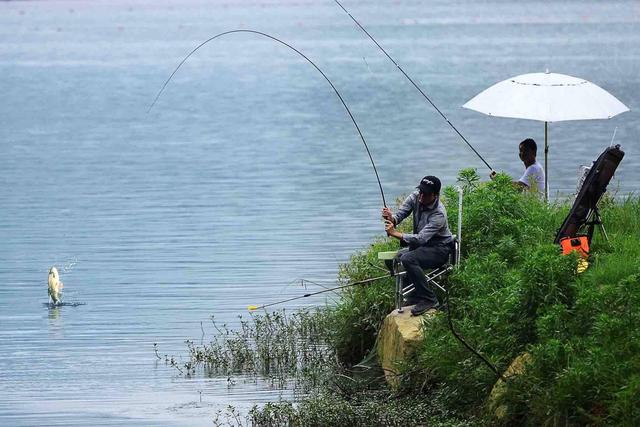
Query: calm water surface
[[247, 174]]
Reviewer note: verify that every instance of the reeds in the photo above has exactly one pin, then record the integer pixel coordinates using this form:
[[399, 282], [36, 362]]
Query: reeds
[[288, 350]]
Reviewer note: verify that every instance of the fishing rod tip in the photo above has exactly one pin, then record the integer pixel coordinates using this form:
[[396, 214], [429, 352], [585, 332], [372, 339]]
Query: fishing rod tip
[[252, 307]]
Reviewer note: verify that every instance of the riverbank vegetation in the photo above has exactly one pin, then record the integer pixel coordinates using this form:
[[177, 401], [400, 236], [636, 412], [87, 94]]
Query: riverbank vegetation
[[513, 294]]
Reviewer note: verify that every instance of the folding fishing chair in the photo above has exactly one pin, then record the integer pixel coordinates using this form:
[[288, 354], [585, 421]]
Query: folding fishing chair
[[439, 273]]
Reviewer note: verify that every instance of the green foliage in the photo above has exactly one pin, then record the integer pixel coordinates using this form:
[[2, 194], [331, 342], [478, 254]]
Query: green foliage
[[587, 362], [290, 350], [498, 213], [515, 293], [469, 179], [357, 316], [362, 409]]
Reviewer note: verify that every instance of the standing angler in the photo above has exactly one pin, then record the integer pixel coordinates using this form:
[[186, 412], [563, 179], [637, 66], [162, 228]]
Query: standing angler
[[430, 243], [533, 177]]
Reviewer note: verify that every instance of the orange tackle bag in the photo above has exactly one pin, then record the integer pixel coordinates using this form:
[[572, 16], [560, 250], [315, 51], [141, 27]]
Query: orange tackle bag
[[578, 243]]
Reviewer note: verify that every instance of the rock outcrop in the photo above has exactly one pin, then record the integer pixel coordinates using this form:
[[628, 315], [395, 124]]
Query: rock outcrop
[[517, 367], [399, 337]]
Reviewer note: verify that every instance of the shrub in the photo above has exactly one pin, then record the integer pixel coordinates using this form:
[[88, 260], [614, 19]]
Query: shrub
[[513, 293]]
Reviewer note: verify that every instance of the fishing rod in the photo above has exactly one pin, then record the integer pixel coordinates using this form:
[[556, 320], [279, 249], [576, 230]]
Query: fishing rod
[[414, 85], [348, 285], [308, 60], [490, 365]]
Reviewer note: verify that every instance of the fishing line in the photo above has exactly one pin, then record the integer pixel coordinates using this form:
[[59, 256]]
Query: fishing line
[[348, 285], [414, 85], [308, 60], [304, 282], [614, 136]]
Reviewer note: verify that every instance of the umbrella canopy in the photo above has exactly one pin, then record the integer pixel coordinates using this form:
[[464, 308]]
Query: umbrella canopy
[[547, 97]]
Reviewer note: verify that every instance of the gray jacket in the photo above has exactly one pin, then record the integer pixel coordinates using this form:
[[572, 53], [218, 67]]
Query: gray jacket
[[430, 225]]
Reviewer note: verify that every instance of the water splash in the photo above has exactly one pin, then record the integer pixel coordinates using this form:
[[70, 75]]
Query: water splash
[[68, 266], [63, 304]]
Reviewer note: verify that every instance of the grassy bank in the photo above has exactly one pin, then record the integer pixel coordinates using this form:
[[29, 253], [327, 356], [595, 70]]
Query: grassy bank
[[515, 293], [512, 294]]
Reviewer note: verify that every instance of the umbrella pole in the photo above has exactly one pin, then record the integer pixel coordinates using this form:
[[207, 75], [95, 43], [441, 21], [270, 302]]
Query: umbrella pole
[[546, 152]]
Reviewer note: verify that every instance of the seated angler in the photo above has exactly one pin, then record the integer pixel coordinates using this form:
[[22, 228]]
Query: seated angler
[[429, 245]]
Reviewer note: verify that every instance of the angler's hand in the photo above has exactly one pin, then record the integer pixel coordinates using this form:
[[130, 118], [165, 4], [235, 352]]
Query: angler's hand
[[390, 228], [387, 214], [493, 174]]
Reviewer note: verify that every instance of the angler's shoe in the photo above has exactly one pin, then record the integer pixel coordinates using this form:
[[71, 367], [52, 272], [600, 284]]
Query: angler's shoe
[[410, 301], [424, 306]]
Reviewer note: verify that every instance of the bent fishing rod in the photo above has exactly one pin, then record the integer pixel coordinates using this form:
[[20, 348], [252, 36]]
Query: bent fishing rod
[[414, 84], [308, 60], [348, 285]]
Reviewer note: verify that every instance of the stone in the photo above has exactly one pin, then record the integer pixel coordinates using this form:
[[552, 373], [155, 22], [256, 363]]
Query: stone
[[517, 367], [398, 339]]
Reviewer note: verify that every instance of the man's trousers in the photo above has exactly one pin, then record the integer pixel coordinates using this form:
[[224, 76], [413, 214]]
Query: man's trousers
[[415, 260]]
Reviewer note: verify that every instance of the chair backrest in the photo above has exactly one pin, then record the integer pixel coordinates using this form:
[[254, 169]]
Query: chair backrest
[[453, 255]]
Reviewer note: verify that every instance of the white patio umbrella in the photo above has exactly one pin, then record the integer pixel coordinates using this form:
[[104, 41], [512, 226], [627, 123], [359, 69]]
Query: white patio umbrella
[[547, 97]]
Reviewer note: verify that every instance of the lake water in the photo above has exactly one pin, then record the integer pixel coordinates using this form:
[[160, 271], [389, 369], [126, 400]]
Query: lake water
[[247, 174]]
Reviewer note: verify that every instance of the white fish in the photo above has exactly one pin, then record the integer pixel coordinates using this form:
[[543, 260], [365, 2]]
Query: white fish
[[55, 285]]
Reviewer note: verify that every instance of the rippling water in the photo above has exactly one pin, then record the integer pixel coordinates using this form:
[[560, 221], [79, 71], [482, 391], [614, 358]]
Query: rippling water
[[246, 175]]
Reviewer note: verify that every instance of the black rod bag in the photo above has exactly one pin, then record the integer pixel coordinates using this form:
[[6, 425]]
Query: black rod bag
[[592, 190]]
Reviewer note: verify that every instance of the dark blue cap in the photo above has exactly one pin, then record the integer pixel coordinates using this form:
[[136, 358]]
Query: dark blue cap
[[430, 184]]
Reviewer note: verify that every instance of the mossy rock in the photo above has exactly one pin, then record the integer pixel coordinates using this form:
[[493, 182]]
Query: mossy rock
[[517, 367]]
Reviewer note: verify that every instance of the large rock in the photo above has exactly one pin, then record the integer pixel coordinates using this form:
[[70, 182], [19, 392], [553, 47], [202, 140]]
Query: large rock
[[399, 337], [517, 367]]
